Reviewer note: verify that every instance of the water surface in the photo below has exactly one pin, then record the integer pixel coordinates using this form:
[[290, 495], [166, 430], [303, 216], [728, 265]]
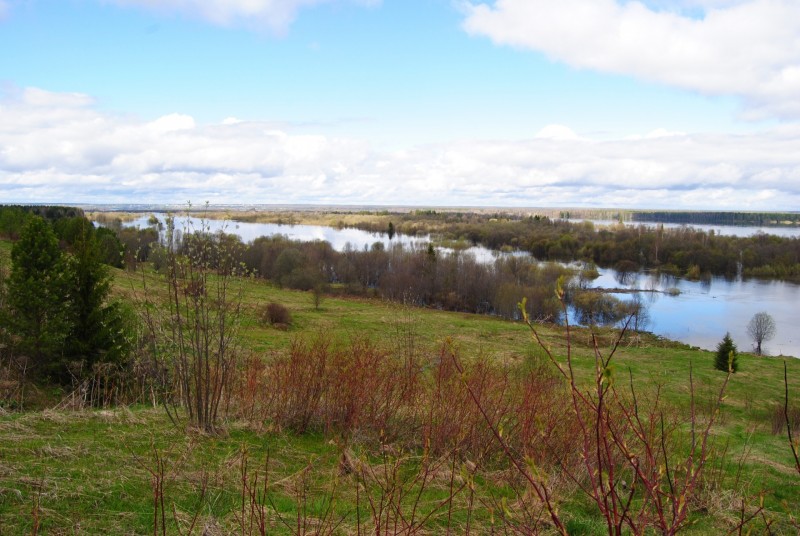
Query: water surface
[[700, 315]]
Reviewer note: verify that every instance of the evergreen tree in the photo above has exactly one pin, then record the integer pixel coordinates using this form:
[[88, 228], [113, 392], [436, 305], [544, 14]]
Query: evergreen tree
[[725, 348], [96, 327], [37, 296]]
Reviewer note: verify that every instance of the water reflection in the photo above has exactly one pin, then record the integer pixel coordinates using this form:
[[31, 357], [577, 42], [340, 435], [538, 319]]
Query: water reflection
[[705, 310], [699, 315]]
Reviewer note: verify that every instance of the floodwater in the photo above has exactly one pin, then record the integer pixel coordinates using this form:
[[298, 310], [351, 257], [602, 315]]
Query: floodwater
[[705, 310], [700, 315]]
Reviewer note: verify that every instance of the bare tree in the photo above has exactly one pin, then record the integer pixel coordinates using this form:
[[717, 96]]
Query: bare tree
[[761, 328]]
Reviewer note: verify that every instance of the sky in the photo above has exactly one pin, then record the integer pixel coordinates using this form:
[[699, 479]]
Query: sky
[[677, 104]]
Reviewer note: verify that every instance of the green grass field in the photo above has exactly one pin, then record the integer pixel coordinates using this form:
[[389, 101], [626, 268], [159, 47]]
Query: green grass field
[[91, 471]]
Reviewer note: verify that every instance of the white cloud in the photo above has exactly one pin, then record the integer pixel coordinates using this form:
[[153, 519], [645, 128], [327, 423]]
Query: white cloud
[[61, 148], [274, 15], [557, 132], [172, 122], [663, 133], [746, 48]]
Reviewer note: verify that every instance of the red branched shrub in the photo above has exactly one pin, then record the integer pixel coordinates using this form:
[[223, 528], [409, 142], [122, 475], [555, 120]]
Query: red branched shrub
[[453, 421], [366, 391], [298, 381]]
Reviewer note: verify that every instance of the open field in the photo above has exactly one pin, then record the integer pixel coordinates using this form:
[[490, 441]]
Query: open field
[[93, 471]]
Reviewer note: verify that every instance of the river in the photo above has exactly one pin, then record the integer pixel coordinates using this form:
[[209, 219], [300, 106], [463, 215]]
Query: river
[[700, 315]]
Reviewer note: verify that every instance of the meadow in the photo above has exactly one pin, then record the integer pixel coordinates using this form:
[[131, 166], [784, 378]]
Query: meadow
[[367, 416]]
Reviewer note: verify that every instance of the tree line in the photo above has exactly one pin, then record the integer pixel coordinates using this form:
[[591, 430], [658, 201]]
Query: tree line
[[418, 276], [682, 251], [423, 276], [718, 218]]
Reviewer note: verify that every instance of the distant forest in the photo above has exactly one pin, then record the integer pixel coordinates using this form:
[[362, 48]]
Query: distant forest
[[757, 219], [722, 218]]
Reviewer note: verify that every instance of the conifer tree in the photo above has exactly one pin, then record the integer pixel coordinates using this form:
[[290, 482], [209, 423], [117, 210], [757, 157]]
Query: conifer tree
[[726, 355], [37, 296], [96, 326]]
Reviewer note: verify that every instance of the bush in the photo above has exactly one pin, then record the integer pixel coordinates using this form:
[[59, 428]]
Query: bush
[[597, 308], [725, 348], [275, 314], [693, 272]]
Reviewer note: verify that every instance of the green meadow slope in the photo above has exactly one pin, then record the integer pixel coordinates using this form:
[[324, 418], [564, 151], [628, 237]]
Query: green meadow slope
[[97, 471]]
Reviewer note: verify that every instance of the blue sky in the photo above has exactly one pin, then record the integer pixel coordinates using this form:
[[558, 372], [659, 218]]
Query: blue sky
[[685, 104]]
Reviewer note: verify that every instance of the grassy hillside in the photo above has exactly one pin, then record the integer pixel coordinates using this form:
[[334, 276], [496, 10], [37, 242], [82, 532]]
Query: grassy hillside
[[97, 471]]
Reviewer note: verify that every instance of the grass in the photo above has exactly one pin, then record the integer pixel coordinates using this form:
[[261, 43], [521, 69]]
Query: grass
[[88, 472]]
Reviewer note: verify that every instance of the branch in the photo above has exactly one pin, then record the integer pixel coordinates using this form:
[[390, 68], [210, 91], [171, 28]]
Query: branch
[[788, 421], [540, 489]]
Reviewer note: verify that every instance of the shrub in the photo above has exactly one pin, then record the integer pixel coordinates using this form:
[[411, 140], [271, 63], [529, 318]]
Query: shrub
[[196, 337], [275, 314], [299, 380], [596, 308], [725, 349], [693, 272]]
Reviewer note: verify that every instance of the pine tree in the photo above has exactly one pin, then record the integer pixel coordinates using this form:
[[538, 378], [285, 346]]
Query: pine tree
[[37, 296], [725, 349]]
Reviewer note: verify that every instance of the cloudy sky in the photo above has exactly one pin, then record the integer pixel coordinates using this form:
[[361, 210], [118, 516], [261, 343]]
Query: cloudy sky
[[689, 104]]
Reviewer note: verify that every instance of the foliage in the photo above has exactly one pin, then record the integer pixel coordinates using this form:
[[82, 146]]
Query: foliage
[[636, 309], [138, 244], [455, 281], [58, 304], [110, 248], [39, 299], [13, 219], [98, 329], [596, 308], [726, 358], [683, 249]]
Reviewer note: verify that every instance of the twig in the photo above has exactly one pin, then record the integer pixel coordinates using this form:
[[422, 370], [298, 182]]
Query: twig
[[788, 421]]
